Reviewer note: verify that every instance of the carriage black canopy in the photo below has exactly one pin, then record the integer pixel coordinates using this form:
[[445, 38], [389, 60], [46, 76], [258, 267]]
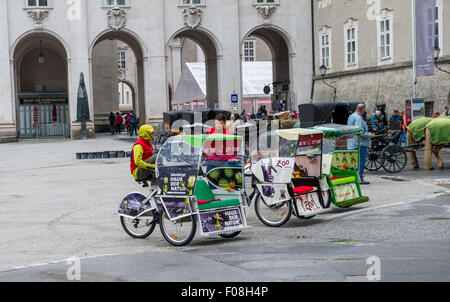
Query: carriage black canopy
[[315, 114]]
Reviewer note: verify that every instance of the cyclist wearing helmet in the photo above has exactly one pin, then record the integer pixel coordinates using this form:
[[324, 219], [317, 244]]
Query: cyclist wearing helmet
[[142, 158]]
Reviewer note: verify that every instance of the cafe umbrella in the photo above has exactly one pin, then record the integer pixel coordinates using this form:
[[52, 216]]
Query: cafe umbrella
[[82, 106]]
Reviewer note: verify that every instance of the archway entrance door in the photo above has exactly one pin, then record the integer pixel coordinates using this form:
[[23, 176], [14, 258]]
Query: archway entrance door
[[40, 65], [280, 92], [118, 77]]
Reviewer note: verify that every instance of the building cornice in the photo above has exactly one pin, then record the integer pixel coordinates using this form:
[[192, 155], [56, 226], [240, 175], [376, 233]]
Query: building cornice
[[374, 69]]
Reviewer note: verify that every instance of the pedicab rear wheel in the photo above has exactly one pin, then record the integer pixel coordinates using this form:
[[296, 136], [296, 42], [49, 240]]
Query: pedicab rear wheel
[[273, 216], [180, 232], [132, 227]]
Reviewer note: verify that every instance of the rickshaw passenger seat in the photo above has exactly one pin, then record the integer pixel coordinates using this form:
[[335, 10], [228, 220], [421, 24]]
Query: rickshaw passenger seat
[[206, 199], [342, 181], [303, 190]]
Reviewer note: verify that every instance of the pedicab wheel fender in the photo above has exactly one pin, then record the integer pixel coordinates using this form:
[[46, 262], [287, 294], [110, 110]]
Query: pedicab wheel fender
[[143, 236], [288, 214], [306, 218], [184, 242], [328, 196], [230, 236]]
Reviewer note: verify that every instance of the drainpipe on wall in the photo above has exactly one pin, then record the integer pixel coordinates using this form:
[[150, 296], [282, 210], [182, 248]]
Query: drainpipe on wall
[[313, 50]]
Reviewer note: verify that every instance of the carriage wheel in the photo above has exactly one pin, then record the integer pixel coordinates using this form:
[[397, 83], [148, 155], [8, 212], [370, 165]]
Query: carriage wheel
[[374, 160], [394, 159]]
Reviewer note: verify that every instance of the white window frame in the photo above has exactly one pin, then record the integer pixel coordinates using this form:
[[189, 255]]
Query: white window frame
[[266, 2], [49, 5], [385, 15], [326, 31], [184, 4], [248, 57], [121, 62], [351, 24], [440, 20], [105, 4]]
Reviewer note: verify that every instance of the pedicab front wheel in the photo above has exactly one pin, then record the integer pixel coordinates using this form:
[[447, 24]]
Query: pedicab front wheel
[[180, 232], [274, 215], [138, 228]]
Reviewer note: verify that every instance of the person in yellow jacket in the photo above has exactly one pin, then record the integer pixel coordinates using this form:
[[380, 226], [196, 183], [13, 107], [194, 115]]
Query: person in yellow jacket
[[142, 157]]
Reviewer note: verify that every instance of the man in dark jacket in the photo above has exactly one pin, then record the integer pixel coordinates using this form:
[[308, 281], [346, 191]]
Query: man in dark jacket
[[112, 123]]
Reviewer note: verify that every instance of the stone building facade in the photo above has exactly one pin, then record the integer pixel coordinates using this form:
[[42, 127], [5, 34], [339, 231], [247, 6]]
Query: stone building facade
[[70, 32], [368, 48]]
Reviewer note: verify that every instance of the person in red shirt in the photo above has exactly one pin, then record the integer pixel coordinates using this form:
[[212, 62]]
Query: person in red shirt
[[220, 126], [119, 122], [217, 155]]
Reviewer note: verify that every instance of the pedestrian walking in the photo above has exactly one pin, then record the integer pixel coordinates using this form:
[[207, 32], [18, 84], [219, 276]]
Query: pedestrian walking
[[118, 123], [356, 119], [133, 124], [396, 122], [446, 111], [112, 123], [404, 129]]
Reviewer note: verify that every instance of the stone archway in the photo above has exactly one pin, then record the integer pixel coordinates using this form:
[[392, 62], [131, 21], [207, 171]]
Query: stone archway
[[210, 49], [282, 67], [107, 75], [40, 63]]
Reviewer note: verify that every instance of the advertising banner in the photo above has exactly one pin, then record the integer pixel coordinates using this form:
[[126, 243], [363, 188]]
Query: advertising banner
[[177, 206], [425, 37], [346, 192], [274, 170], [274, 194], [308, 203], [133, 205], [177, 180], [225, 220], [418, 109]]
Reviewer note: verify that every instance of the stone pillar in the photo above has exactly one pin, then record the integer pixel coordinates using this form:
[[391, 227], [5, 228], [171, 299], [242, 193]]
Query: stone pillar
[[301, 57], [79, 61], [8, 129], [229, 59], [156, 89], [176, 48], [212, 89]]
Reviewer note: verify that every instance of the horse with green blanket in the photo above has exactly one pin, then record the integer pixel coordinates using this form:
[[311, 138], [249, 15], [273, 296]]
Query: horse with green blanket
[[435, 132]]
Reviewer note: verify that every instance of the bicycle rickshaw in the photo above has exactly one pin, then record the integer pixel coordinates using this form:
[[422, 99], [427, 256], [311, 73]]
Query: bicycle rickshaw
[[186, 196], [287, 168], [341, 163]]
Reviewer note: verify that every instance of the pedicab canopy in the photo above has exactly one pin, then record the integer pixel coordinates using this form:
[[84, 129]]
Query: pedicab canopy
[[334, 130]]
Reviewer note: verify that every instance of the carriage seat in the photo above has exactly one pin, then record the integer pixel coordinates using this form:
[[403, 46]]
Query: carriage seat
[[206, 199], [303, 190], [337, 181]]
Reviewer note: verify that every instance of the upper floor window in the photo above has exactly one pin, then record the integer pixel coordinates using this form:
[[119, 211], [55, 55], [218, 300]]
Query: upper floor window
[[122, 59], [191, 2], [385, 39], [434, 26], [249, 51], [116, 2], [37, 3], [325, 50], [351, 46]]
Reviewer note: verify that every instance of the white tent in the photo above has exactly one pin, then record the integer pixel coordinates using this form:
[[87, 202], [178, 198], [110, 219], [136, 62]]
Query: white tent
[[192, 85]]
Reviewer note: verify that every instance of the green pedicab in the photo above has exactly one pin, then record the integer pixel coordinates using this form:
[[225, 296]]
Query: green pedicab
[[341, 164]]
